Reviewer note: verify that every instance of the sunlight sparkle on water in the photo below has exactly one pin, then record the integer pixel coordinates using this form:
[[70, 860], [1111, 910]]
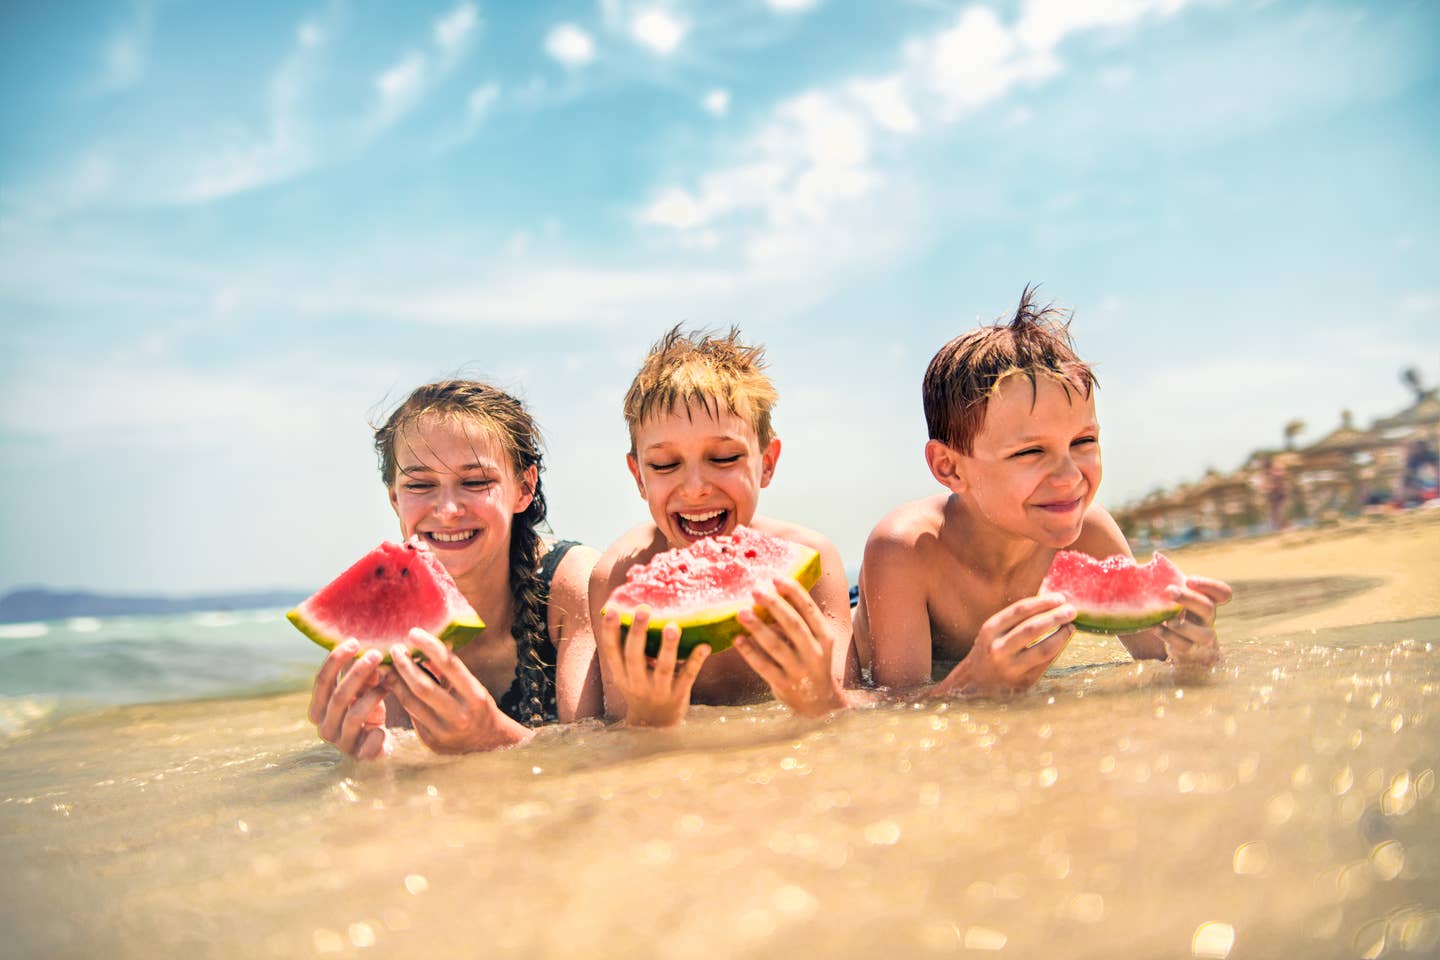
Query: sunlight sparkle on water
[[1213, 940]]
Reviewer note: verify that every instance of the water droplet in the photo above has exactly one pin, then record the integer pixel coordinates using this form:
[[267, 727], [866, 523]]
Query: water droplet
[[1212, 940], [984, 938], [1252, 859], [362, 934], [882, 833], [242, 826], [1370, 940], [1280, 809], [1388, 859]]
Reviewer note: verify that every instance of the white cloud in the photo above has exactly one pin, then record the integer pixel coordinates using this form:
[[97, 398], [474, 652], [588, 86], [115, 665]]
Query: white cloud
[[127, 52], [1044, 23], [480, 100], [310, 34], [791, 6], [570, 45], [716, 102], [454, 29], [658, 30], [887, 102], [400, 85]]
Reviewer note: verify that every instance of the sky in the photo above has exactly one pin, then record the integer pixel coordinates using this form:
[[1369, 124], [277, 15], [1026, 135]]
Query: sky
[[232, 235]]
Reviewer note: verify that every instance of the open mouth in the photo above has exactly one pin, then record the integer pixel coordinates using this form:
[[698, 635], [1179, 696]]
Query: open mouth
[[449, 539], [706, 523]]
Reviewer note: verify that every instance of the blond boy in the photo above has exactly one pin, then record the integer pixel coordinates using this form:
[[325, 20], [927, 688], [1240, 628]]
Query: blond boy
[[702, 447], [948, 583]]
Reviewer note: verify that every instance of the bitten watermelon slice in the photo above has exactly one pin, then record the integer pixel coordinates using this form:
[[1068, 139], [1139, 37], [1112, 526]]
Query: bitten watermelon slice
[[1115, 595], [703, 586], [386, 592]]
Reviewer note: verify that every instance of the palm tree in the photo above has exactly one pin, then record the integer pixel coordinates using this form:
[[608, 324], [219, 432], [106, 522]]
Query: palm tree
[[1410, 376], [1293, 428]]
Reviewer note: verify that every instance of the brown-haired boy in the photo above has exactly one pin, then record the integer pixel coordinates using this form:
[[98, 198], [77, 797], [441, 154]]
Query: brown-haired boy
[[951, 579], [702, 447]]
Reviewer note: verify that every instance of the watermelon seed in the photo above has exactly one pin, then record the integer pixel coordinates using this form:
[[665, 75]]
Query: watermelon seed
[[405, 572], [379, 571]]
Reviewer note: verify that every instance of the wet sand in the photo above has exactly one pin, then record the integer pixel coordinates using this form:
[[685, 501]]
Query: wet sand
[[1282, 806]]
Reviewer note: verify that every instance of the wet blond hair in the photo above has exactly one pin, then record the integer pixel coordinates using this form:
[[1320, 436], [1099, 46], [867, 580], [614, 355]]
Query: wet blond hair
[[965, 373], [705, 371], [505, 418]]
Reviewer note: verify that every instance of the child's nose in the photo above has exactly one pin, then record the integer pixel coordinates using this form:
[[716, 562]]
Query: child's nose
[[449, 507], [695, 480]]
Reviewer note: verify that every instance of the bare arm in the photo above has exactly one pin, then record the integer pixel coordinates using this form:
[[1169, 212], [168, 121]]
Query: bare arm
[[577, 674], [893, 598]]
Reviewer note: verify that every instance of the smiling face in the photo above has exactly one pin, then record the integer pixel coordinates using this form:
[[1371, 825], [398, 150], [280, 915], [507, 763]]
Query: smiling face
[[1035, 466], [455, 487], [701, 474]]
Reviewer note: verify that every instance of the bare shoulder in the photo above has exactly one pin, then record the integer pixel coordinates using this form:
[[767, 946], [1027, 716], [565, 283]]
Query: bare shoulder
[[572, 576], [1100, 536], [905, 532]]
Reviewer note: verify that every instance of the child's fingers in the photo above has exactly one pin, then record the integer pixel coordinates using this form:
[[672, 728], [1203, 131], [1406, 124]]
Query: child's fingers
[[777, 646], [420, 710], [1037, 655], [635, 643], [685, 679], [353, 683], [373, 744], [1006, 620], [760, 661], [669, 653], [352, 722], [1198, 607], [1034, 629], [1217, 590], [328, 676], [807, 608], [449, 669]]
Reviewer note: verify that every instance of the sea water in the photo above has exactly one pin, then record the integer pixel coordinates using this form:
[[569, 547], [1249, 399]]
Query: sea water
[[1282, 806]]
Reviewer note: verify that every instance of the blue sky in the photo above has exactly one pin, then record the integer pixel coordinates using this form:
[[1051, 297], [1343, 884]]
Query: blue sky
[[230, 234]]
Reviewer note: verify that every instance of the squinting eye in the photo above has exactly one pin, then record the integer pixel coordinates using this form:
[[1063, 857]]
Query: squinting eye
[[663, 467], [1025, 453], [1086, 440], [417, 487], [732, 459], [479, 484]]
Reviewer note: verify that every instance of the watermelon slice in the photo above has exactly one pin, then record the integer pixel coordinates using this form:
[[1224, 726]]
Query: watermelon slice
[[703, 586], [1115, 595], [392, 588]]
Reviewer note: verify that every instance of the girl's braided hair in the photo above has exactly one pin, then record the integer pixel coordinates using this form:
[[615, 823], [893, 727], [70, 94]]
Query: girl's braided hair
[[506, 419]]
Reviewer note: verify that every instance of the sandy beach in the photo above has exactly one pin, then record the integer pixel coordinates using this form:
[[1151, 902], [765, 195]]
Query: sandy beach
[[1370, 569]]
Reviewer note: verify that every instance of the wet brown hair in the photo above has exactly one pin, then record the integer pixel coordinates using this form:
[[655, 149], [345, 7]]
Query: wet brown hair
[[965, 372], [705, 371], [505, 418]]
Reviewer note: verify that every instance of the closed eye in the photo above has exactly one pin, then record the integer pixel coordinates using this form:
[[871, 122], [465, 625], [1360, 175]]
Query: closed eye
[[663, 467], [1081, 440], [1026, 452], [734, 458]]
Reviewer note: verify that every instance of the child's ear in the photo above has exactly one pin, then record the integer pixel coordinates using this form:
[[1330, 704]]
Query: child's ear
[[634, 466], [529, 480], [395, 505], [945, 466], [768, 458]]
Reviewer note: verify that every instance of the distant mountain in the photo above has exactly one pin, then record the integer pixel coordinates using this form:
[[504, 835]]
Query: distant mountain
[[37, 603]]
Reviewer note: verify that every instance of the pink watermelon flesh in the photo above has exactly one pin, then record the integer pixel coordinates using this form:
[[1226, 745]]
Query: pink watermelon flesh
[[1115, 595], [382, 596], [703, 586]]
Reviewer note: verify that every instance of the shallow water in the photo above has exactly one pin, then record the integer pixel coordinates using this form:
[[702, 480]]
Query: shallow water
[[1283, 807]]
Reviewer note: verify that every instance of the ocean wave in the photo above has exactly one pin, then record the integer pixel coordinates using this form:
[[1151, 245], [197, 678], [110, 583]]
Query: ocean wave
[[23, 631], [19, 715]]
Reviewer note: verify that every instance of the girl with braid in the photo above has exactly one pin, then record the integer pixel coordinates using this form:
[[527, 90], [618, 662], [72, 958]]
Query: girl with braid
[[462, 463]]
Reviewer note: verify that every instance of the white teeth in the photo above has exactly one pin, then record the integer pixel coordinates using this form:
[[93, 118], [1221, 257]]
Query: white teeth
[[452, 537], [700, 517]]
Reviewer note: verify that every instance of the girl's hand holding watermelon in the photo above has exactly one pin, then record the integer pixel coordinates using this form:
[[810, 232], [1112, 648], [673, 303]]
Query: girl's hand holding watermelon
[[451, 710], [347, 704], [793, 654], [656, 693]]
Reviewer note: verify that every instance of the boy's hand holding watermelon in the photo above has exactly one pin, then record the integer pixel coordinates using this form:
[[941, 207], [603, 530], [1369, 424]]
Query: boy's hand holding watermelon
[[656, 693], [794, 652]]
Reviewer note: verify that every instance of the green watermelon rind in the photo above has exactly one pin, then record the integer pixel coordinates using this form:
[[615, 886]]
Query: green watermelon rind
[[717, 626], [1092, 621], [454, 635]]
